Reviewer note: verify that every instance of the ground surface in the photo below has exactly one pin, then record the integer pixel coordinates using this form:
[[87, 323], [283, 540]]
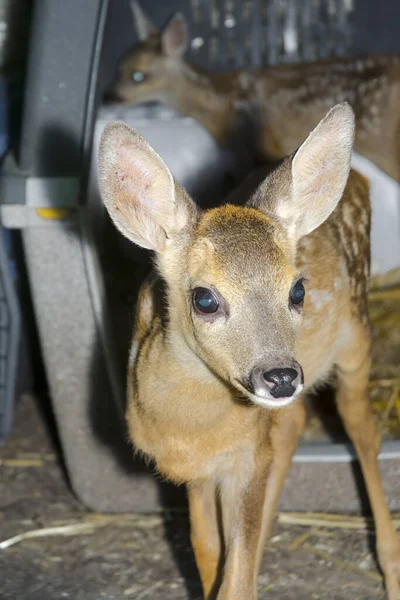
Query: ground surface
[[144, 557]]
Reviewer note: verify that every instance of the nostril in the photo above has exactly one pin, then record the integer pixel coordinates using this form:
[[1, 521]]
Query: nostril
[[280, 377], [110, 97], [281, 382]]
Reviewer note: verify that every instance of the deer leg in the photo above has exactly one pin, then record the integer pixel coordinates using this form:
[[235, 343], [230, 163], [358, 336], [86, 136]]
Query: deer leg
[[355, 410], [205, 534], [242, 502], [284, 439], [248, 509]]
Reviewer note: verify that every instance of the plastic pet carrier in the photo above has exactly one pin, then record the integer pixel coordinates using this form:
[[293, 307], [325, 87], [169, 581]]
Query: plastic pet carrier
[[13, 353], [10, 339], [84, 277]]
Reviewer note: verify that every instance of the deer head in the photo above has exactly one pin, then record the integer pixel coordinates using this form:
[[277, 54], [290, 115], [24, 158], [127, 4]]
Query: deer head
[[152, 70], [235, 296]]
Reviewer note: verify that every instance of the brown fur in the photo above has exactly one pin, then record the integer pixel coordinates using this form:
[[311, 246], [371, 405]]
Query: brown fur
[[273, 108], [189, 409]]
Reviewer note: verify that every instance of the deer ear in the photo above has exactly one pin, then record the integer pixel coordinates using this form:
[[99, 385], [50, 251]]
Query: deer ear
[[138, 189], [320, 169], [142, 23], [305, 189], [174, 37]]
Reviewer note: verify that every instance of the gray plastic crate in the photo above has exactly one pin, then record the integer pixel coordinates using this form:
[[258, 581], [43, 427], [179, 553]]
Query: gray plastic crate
[[84, 313], [15, 375], [10, 340], [9, 309]]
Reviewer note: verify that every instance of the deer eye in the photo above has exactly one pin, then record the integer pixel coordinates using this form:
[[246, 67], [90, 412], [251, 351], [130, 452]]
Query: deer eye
[[297, 293], [205, 301], [138, 76]]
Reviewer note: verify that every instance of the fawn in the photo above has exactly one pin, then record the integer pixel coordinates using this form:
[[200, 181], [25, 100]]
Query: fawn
[[227, 341], [273, 108]]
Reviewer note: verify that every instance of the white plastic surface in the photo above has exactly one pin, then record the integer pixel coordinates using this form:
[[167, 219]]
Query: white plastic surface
[[385, 226]]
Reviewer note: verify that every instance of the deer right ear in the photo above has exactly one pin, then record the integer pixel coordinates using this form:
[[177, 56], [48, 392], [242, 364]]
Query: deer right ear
[[143, 25], [174, 37], [138, 189]]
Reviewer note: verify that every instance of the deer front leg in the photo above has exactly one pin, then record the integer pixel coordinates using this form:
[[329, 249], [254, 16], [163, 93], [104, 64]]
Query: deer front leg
[[285, 433], [248, 511], [205, 534], [355, 410], [242, 503]]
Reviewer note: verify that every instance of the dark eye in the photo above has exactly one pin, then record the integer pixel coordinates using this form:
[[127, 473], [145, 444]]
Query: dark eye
[[297, 293], [138, 76], [205, 301]]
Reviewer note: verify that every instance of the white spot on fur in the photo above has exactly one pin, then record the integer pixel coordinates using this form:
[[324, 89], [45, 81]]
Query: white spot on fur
[[360, 66], [347, 218], [343, 270], [193, 75], [259, 92], [245, 81], [306, 244], [302, 90], [240, 104], [133, 353], [307, 323], [374, 109], [319, 298], [338, 283]]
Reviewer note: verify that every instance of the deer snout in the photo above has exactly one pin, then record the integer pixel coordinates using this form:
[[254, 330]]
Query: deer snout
[[277, 386], [110, 96], [280, 382]]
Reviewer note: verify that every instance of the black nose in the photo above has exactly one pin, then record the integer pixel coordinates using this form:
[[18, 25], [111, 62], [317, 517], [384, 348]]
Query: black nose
[[110, 96], [281, 380]]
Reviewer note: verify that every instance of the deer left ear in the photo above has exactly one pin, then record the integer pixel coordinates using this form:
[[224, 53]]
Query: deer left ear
[[320, 169], [142, 23], [304, 191], [174, 37]]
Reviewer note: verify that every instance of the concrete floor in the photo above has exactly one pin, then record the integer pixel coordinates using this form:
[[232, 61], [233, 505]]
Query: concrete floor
[[144, 557]]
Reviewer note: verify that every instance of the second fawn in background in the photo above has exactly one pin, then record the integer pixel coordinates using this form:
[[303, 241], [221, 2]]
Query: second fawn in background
[[273, 108], [222, 357]]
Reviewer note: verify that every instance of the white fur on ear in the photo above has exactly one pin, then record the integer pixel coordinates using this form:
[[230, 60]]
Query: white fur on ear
[[138, 189], [143, 25], [320, 169], [305, 188], [174, 37]]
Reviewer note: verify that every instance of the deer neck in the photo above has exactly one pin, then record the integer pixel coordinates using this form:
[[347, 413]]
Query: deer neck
[[182, 353], [213, 99]]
